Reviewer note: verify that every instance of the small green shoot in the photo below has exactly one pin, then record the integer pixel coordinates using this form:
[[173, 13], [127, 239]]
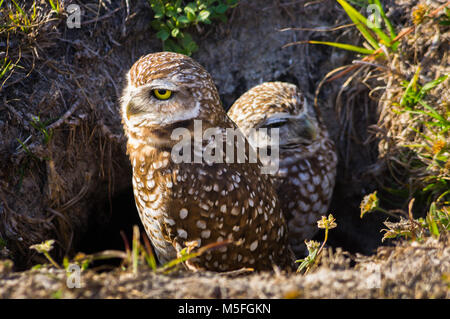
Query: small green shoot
[[148, 254], [45, 248], [3, 243], [5, 67], [58, 294], [314, 248], [142, 254], [438, 220], [37, 267], [41, 126], [136, 248], [192, 251]]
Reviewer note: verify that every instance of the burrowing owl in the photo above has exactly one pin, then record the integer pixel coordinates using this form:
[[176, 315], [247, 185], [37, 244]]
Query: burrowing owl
[[180, 203], [307, 167]]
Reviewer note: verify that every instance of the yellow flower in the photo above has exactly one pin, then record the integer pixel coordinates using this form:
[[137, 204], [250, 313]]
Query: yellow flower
[[369, 203], [328, 223], [418, 14], [44, 247], [312, 246], [438, 146]]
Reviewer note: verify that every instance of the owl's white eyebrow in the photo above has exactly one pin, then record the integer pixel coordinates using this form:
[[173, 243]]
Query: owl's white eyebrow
[[162, 85], [280, 118]]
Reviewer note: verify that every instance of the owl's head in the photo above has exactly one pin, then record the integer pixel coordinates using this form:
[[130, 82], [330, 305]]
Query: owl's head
[[167, 88], [277, 105]]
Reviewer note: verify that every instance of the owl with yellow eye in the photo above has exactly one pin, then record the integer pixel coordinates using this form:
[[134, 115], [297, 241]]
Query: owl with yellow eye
[[180, 203]]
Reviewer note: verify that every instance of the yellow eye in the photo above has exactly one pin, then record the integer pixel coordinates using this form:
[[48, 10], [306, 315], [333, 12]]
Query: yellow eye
[[162, 94]]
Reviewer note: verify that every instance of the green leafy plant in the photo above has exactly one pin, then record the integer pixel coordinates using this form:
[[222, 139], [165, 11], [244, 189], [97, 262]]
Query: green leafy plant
[[434, 224], [173, 18], [427, 159], [432, 152]]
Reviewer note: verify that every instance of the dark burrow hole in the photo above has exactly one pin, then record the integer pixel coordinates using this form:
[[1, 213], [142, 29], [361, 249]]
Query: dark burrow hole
[[104, 232]]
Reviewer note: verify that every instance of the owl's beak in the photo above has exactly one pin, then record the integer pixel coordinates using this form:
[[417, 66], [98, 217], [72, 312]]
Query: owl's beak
[[301, 130], [304, 127], [131, 110]]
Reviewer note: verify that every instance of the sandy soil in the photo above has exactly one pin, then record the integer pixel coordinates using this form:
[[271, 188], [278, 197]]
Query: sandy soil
[[409, 270]]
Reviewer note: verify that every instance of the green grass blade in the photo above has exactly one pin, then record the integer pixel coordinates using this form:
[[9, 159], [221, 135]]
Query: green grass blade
[[361, 23], [413, 145], [411, 85], [432, 225], [5, 69], [54, 6], [421, 134], [344, 46], [431, 85], [34, 11], [179, 260], [433, 113], [148, 254], [18, 8], [353, 15]]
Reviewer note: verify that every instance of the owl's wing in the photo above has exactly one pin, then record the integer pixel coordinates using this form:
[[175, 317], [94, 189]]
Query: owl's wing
[[227, 202]]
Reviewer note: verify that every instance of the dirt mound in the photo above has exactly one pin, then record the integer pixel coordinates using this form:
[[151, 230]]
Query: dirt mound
[[406, 271]]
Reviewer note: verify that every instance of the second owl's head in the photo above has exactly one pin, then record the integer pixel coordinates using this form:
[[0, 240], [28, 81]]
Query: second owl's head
[[277, 105], [165, 88]]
